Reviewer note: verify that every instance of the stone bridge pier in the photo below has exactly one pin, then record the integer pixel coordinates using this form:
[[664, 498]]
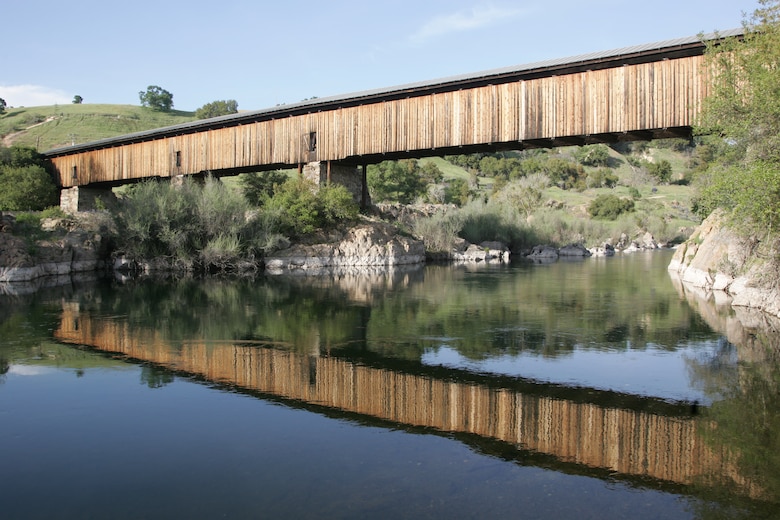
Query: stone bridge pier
[[82, 198], [350, 176]]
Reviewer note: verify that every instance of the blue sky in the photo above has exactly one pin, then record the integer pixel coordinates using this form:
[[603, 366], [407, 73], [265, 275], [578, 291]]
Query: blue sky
[[263, 53]]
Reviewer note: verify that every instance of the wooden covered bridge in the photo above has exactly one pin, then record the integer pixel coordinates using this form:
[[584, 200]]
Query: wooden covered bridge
[[637, 93]]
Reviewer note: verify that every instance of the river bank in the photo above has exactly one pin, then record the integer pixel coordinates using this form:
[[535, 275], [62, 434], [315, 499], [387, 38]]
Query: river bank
[[713, 259]]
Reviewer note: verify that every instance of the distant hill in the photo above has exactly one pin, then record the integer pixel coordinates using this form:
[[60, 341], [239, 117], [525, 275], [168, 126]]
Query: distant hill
[[48, 127]]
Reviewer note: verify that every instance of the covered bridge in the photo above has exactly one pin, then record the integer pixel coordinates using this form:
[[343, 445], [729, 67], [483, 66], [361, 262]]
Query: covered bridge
[[636, 93]]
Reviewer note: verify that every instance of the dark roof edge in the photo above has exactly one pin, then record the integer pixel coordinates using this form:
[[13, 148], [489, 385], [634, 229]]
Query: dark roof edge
[[417, 88]]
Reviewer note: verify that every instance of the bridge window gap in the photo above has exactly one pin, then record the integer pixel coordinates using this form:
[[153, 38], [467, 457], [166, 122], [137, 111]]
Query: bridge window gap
[[312, 142], [178, 158], [75, 175]]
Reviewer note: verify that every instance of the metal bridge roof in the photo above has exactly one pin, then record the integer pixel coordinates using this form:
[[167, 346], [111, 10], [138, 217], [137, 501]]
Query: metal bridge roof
[[690, 44]]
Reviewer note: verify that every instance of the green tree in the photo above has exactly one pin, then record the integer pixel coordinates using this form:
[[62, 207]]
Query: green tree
[[661, 170], [24, 181], [744, 108], [3, 105], [396, 181], [525, 194], [217, 108], [457, 192], [156, 98], [25, 188], [258, 187], [77, 100], [593, 155]]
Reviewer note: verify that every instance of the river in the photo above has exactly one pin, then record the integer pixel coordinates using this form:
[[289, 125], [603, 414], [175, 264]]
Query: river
[[587, 389]]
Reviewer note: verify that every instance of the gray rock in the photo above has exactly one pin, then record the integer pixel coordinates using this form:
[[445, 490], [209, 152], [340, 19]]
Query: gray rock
[[574, 251]]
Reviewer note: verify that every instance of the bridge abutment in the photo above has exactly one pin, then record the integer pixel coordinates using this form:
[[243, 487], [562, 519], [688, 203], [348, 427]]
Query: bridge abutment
[[352, 177], [81, 198]]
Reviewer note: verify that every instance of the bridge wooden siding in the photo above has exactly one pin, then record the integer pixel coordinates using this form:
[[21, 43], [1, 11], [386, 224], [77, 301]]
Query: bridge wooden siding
[[609, 98]]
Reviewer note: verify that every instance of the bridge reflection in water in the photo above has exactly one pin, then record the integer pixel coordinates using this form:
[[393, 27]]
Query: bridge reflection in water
[[646, 440]]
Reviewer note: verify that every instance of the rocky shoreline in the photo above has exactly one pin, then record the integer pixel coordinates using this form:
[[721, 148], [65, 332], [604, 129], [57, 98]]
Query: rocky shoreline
[[721, 264], [708, 260]]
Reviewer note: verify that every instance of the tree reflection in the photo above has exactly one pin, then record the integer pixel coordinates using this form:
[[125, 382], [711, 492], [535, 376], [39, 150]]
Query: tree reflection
[[744, 419], [155, 377]]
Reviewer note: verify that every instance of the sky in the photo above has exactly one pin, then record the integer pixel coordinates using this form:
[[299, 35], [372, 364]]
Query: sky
[[263, 53]]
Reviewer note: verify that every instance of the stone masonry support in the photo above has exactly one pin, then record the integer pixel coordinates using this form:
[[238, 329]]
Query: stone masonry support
[[80, 198], [353, 178]]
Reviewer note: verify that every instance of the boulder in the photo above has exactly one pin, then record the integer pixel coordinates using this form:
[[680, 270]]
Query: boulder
[[484, 252], [605, 250], [574, 251], [370, 244], [543, 252], [714, 255]]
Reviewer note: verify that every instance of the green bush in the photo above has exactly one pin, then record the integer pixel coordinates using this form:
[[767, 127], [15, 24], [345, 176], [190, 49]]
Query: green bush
[[609, 207], [303, 208], [200, 226], [495, 221], [438, 232]]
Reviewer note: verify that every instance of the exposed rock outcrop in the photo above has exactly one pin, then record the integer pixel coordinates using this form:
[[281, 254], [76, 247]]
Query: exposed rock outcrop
[[370, 244], [72, 248], [546, 253], [716, 259]]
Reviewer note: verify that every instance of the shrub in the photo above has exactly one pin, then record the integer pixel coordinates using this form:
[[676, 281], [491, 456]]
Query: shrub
[[195, 225], [303, 208], [438, 232], [337, 204], [609, 207], [494, 221]]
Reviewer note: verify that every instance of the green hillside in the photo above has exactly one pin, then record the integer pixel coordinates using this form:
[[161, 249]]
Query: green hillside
[[48, 127]]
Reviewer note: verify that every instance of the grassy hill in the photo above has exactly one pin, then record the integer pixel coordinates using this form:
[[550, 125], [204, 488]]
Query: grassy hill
[[48, 127]]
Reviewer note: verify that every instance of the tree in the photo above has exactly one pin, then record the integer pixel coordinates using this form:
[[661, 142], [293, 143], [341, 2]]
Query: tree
[[397, 181], [744, 109], [525, 194], [2, 106], [77, 99], [156, 98], [24, 188], [661, 170], [259, 187], [217, 108], [593, 155]]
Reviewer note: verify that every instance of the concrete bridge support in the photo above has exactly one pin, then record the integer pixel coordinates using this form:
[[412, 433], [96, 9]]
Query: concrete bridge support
[[352, 177], [81, 198]]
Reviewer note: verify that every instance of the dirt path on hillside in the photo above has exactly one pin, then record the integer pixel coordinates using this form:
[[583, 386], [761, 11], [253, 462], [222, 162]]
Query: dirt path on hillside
[[9, 139]]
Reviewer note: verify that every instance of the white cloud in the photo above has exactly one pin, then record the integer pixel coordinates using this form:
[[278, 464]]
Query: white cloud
[[466, 20], [29, 370], [33, 95]]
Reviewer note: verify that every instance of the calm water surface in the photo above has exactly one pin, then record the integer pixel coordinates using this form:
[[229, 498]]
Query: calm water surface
[[595, 389]]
